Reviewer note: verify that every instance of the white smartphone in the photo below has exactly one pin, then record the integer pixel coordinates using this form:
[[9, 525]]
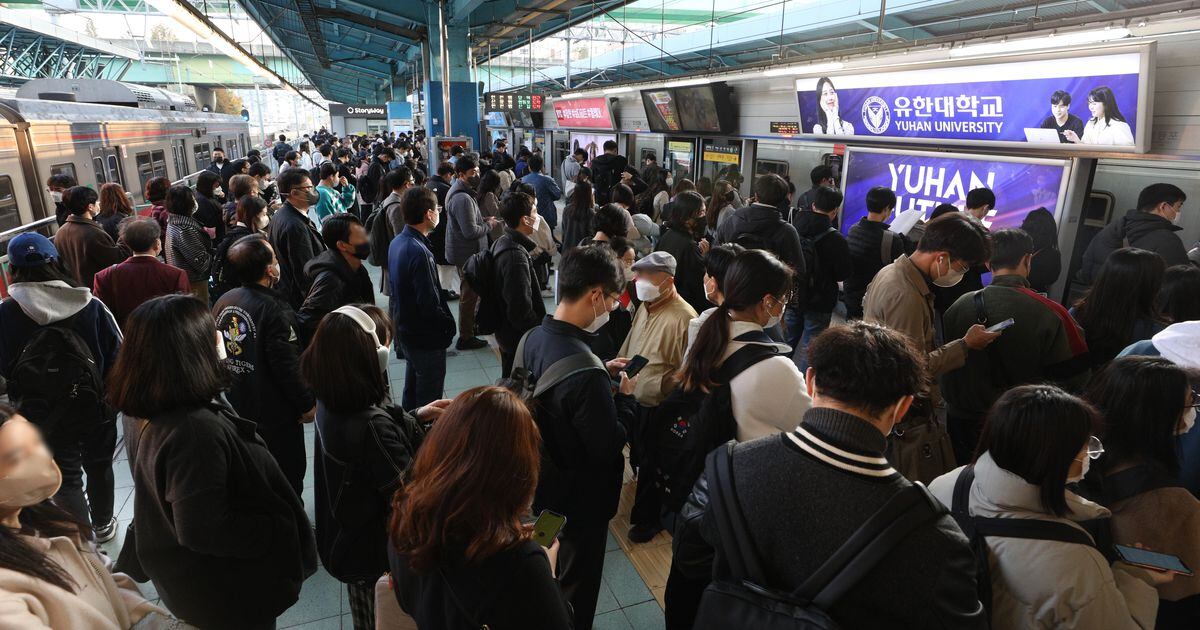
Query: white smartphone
[[1002, 325]]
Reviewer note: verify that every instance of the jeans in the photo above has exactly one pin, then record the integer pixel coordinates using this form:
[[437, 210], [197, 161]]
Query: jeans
[[424, 375], [814, 324], [98, 447], [793, 324]]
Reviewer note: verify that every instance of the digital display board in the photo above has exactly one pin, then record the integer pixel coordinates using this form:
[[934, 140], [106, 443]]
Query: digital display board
[[496, 119], [584, 113], [661, 112], [512, 102], [694, 109], [1074, 100], [922, 181], [785, 128]]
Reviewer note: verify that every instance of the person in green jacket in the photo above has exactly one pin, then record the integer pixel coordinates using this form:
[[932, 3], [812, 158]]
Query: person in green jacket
[[333, 201], [1042, 345]]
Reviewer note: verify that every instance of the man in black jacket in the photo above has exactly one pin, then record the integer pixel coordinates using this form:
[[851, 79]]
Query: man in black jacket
[[821, 175], [582, 422], [293, 236], [523, 305], [862, 380], [262, 349], [816, 224], [872, 247], [280, 149], [1150, 226], [338, 276], [440, 182], [761, 226], [606, 171], [369, 185]]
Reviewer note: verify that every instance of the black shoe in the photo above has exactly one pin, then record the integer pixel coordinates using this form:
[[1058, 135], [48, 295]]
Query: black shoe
[[644, 533], [108, 532], [472, 343]]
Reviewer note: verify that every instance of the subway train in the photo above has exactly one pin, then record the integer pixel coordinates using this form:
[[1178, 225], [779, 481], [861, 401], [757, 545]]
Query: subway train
[[754, 125], [101, 131]]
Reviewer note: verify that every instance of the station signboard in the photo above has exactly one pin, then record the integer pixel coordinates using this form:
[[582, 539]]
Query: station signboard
[[1089, 100], [373, 111]]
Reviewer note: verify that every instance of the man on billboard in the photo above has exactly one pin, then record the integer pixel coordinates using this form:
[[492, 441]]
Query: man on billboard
[[1061, 119]]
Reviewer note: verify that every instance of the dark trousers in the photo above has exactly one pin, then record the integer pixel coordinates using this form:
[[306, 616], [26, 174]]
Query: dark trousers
[[813, 324], [424, 375], [581, 566], [682, 599], [507, 358], [467, 301], [646, 501], [285, 441], [78, 448], [964, 435]]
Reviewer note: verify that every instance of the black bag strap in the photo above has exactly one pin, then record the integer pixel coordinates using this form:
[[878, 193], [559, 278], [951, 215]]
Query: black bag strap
[[731, 523], [980, 309], [748, 355], [560, 370], [1031, 528], [885, 247]]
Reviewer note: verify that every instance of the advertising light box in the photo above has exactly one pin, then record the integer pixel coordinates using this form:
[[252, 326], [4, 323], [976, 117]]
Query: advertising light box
[[584, 113], [592, 143], [1096, 101], [922, 181]]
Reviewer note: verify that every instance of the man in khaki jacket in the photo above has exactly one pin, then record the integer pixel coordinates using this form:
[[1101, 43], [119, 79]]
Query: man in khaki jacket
[[900, 297]]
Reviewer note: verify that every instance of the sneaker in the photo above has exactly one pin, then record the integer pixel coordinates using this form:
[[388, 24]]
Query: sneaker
[[108, 532], [644, 533], [472, 343]]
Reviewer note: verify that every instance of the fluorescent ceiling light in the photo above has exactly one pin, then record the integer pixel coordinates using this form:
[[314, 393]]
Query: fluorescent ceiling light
[[618, 90], [815, 68], [686, 82], [1036, 43], [573, 95]]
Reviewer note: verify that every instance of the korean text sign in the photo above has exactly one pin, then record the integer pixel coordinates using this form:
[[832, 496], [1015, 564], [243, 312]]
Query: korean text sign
[[584, 113], [1098, 96], [922, 181]]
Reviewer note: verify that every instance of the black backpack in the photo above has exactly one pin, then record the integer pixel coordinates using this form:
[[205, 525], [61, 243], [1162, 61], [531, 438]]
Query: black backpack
[[744, 600], [530, 389], [379, 234], [979, 528], [483, 276], [56, 380], [808, 250], [690, 424]]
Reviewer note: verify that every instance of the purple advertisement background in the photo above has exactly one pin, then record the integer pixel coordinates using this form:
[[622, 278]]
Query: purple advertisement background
[[1024, 103], [924, 181]]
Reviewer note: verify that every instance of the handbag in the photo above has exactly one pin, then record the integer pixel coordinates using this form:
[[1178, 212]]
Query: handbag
[[919, 446]]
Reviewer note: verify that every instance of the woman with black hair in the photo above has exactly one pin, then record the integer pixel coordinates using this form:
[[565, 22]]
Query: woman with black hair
[[52, 575], [1036, 440], [1047, 259], [1147, 402], [622, 195], [683, 238], [487, 195], [658, 192], [1121, 306], [829, 119], [580, 208], [607, 223], [209, 198], [1107, 125], [716, 263], [1179, 297], [769, 396], [219, 528]]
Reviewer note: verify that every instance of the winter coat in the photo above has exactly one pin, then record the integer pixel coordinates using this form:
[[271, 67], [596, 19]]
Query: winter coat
[[32, 305], [523, 305], [1143, 231], [334, 284], [418, 304], [85, 248], [296, 241], [466, 231]]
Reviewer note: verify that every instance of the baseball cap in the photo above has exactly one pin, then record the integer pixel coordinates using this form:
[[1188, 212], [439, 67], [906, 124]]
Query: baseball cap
[[30, 250]]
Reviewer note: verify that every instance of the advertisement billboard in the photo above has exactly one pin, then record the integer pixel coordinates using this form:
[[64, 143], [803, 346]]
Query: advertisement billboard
[[584, 113], [923, 180], [1074, 101], [593, 143], [359, 111]]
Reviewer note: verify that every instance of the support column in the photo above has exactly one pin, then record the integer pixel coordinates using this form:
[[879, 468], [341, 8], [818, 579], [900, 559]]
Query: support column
[[463, 92]]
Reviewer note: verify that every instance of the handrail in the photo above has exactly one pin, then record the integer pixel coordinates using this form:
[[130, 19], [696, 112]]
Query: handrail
[[28, 227]]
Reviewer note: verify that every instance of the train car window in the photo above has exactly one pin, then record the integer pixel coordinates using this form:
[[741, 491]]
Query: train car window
[[202, 154], [10, 214], [765, 167], [98, 166], [114, 169], [158, 161], [66, 168], [145, 168]]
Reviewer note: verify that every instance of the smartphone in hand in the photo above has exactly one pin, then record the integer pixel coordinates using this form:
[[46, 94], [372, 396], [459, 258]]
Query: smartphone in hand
[[1152, 560], [547, 527], [635, 365]]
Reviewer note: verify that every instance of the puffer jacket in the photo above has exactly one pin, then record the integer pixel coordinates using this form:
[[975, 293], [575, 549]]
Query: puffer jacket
[[1047, 583], [1143, 231]]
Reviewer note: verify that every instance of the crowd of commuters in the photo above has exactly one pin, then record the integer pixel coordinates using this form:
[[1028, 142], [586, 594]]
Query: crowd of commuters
[[783, 391]]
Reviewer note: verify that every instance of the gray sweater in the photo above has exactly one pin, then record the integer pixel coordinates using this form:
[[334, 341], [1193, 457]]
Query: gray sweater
[[467, 232]]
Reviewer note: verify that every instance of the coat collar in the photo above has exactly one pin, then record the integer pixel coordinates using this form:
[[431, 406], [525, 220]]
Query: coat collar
[[80, 220], [519, 238], [997, 491], [914, 277], [1010, 280]]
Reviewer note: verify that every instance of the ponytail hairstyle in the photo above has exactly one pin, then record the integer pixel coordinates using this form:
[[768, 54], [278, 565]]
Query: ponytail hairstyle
[[753, 275]]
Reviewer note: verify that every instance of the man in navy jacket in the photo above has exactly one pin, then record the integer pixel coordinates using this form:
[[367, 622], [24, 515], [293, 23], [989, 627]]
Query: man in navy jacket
[[424, 325], [546, 189]]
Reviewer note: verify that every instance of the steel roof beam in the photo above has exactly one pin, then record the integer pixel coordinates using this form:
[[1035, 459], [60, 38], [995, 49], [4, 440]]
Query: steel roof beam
[[411, 36], [312, 28]]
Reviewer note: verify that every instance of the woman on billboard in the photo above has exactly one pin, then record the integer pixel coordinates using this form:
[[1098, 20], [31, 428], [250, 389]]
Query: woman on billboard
[[829, 121], [1108, 125]]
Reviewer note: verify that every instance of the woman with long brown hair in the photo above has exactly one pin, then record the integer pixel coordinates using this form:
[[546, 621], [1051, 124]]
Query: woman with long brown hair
[[114, 207], [460, 555]]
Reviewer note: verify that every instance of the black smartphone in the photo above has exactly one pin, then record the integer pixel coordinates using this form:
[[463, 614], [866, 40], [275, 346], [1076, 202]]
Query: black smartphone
[[547, 527], [1152, 559], [635, 365]]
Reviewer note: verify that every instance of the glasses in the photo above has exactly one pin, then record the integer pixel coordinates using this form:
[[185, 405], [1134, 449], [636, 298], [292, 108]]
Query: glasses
[[1094, 448], [1195, 401]]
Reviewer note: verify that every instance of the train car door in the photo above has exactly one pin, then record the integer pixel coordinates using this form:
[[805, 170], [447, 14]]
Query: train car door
[[106, 164], [721, 158]]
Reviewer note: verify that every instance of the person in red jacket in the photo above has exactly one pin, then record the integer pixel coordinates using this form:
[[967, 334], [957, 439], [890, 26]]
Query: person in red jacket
[[125, 286]]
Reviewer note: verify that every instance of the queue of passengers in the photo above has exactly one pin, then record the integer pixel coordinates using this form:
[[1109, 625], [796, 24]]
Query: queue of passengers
[[847, 429]]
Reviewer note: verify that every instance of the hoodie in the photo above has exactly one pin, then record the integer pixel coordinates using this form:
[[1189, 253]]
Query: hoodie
[[1143, 231], [37, 304], [832, 263], [606, 173], [334, 284], [760, 223]]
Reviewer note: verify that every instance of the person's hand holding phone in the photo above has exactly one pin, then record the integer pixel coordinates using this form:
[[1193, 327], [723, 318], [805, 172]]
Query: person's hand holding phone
[[433, 410], [627, 384], [552, 556], [616, 365], [978, 338]]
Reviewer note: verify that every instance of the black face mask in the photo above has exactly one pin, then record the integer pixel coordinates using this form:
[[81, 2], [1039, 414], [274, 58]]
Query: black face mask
[[362, 250], [473, 181]]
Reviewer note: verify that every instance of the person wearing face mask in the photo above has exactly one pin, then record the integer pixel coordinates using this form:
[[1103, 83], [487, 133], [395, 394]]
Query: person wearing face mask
[[582, 421], [336, 194], [84, 245], [545, 189], [466, 235], [1038, 439], [1043, 345], [831, 265], [716, 263], [682, 238], [293, 235], [209, 200], [423, 322], [249, 217], [56, 185], [262, 347], [125, 286], [862, 377], [523, 305], [901, 297], [52, 575], [1152, 226], [980, 203], [1138, 476], [187, 246], [337, 274], [363, 446]]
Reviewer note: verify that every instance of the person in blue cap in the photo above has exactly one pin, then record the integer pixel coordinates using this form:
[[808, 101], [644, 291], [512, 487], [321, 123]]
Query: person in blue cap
[[50, 321]]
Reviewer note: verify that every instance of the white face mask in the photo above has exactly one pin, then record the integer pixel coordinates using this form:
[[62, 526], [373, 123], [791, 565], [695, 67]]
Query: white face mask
[[951, 277], [599, 322], [647, 291], [537, 222], [34, 479], [56, 196], [266, 221], [628, 275], [710, 294], [670, 182], [437, 218], [1087, 462], [1188, 420], [773, 320]]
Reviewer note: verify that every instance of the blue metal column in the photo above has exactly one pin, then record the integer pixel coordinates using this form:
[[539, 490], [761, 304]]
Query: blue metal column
[[464, 97]]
